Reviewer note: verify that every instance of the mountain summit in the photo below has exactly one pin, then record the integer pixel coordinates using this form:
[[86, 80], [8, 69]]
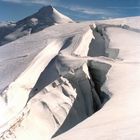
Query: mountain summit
[[51, 15], [46, 16]]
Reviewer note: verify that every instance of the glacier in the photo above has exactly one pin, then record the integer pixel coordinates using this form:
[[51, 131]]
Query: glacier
[[71, 80]]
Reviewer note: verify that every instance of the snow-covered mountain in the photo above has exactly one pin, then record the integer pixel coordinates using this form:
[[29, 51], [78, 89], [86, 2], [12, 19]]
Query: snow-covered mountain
[[45, 17], [71, 74]]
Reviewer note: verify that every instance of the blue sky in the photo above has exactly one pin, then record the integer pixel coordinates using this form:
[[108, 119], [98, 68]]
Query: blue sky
[[13, 10]]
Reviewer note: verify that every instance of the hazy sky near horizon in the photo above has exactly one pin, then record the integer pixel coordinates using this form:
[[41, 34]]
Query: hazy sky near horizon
[[13, 10]]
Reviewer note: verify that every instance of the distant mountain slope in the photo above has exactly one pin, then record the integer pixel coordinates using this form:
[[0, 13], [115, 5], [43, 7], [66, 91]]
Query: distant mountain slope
[[45, 17]]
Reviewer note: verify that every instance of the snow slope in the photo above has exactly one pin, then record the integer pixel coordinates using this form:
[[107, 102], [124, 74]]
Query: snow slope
[[25, 85], [119, 118], [60, 76]]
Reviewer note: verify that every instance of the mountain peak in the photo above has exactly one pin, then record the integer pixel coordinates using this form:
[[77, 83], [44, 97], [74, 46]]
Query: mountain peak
[[46, 16], [46, 10], [50, 14]]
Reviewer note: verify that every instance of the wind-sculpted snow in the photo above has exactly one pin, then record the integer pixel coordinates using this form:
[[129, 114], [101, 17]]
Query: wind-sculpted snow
[[25, 49], [64, 54], [37, 77], [119, 118]]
